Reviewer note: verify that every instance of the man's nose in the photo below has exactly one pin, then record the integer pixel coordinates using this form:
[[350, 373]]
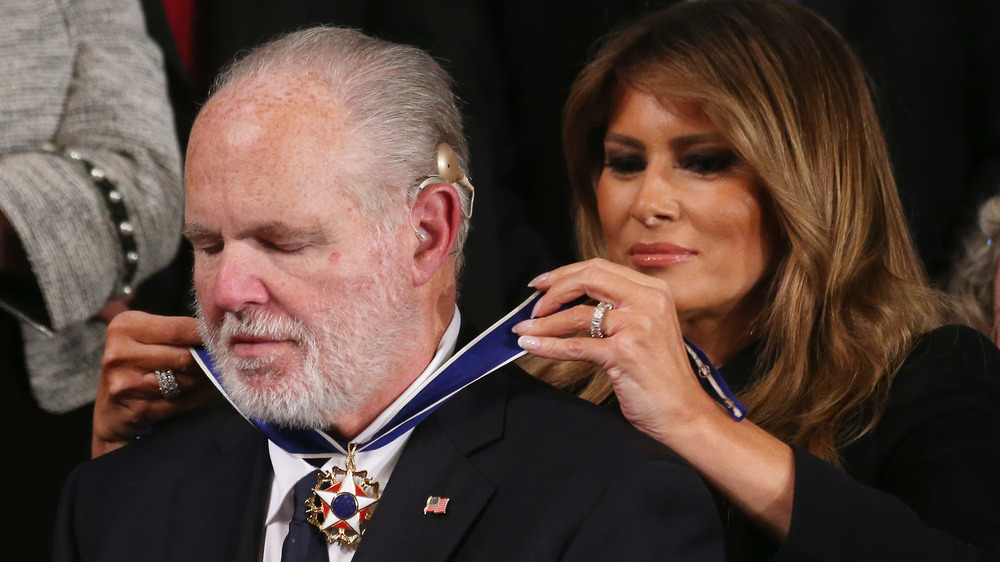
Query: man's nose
[[239, 282]]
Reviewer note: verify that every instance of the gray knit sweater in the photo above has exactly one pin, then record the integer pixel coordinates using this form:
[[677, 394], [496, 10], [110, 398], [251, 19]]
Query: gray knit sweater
[[81, 75]]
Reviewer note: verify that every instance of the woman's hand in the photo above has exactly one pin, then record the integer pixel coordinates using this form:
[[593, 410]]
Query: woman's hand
[[644, 356], [128, 396], [642, 352]]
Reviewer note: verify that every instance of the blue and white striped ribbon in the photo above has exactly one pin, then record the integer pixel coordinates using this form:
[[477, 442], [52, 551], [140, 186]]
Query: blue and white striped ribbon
[[491, 350]]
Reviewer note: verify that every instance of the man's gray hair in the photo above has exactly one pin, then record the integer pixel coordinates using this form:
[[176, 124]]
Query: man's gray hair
[[397, 97]]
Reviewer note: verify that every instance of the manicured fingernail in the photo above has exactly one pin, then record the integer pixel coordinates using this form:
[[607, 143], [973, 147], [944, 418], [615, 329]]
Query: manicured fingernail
[[522, 326], [534, 309], [530, 343], [534, 282]]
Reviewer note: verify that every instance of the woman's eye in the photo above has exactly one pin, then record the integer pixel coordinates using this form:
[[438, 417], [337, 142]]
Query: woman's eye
[[709, 163], [625, 165]]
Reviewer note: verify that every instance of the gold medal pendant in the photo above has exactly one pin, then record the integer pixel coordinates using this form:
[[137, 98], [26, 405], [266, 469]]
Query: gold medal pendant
[[341, 508]]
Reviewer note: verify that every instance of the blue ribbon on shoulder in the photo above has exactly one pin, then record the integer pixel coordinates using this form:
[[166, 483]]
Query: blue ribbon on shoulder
[[491, 350]]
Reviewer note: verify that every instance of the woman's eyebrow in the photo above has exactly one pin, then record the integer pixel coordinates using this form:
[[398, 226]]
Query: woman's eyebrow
[[687, 141], [676, 143], [625, 140]]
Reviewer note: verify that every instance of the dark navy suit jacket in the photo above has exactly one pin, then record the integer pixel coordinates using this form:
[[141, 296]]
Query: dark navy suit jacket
[[531, 472]]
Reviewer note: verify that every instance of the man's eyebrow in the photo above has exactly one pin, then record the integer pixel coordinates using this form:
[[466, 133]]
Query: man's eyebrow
[[196, 230], [277, 229], [268, 230]]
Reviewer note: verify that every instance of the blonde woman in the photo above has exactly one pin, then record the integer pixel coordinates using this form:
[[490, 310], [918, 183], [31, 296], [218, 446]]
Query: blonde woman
[[973, 281], [732, 186]]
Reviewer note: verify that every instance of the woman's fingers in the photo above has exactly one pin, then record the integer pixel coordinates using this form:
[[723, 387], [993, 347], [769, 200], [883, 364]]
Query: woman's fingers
[[597, 279], [149, 328], [572, 321], [146, 342], [129, 397], [113, 430], [140, 384], [136, 403], [642, 351], [593, 350], [545, 280]]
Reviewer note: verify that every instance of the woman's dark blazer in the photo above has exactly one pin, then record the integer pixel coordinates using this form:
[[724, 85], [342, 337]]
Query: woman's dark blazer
[[924, 484]]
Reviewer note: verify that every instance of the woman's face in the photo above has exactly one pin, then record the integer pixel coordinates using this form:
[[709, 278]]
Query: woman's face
[[677, 203]]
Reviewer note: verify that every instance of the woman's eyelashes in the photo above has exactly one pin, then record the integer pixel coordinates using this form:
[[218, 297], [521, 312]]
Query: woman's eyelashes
[[708, 162], [624, 165], [702, 162]]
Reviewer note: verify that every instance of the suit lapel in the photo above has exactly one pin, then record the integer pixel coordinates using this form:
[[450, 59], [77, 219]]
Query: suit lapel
[[221, 504], [435, 462]]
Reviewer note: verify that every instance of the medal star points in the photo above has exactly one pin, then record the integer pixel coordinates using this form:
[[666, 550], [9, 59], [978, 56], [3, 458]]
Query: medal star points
[[341, 509]]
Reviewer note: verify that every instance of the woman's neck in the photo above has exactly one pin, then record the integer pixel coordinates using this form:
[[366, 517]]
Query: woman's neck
[[721, 335]]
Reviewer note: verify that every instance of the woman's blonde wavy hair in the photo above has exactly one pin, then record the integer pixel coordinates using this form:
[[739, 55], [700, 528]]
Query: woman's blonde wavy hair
[[974, 274], [848, 295]]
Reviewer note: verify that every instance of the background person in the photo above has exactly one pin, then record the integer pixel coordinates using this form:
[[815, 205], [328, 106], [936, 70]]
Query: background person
[[732, 186], [90, 205], [973, 279]]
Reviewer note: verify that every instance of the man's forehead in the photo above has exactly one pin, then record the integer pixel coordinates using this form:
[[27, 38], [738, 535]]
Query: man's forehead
[[259, 197], [275, 109], [285, 91], [285, 133]]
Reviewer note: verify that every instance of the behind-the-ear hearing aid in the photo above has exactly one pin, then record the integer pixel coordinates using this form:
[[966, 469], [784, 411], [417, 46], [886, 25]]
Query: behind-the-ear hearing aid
[[448, 163], [450, 172]]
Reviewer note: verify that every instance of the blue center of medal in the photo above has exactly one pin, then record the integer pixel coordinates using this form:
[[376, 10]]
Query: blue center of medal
[[344, 505]]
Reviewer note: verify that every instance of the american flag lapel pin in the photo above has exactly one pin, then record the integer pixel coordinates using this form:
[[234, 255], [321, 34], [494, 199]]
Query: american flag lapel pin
[[436, 505]]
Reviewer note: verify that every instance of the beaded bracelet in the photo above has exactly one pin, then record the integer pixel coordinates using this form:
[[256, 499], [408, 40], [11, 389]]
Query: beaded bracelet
[[119, 214]]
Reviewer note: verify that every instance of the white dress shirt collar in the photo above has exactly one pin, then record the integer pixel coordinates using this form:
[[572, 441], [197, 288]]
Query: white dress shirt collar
[[379, 463]]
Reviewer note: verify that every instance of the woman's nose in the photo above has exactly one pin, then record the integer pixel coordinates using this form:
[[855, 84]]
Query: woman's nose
[[656, 201]]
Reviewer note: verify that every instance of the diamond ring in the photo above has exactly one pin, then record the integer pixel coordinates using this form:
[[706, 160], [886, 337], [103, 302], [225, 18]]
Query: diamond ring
[[597, 319], [168, 384]]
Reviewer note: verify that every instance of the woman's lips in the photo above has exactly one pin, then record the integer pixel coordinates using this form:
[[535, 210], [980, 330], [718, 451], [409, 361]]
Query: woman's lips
[[659, 254]]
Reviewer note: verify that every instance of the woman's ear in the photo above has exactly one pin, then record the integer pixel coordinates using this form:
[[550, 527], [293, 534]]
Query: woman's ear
[[435, 218]]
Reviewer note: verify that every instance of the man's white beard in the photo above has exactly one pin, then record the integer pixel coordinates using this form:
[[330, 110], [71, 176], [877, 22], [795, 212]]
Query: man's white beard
[[362, 335]]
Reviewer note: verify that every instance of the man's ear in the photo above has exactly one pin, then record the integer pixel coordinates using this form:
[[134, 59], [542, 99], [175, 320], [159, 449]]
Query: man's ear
[[435, 217]]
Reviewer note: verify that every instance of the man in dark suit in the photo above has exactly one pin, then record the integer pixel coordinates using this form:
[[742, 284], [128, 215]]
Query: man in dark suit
[[327, 208]]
